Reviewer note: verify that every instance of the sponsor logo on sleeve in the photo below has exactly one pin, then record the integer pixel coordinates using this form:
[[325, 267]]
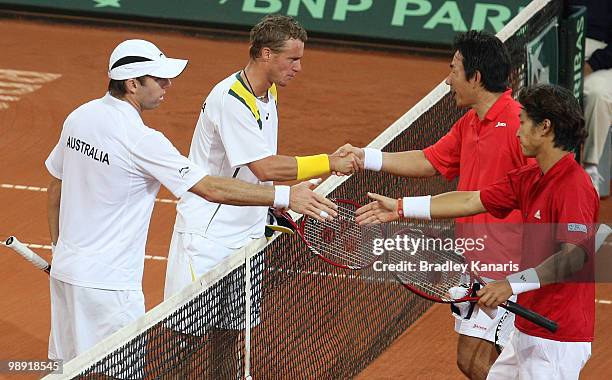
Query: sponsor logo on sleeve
[[184, 171], [576, 227]]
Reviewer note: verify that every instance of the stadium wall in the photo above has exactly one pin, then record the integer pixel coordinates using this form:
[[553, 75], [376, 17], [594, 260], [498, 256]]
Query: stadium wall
[[415, 22]]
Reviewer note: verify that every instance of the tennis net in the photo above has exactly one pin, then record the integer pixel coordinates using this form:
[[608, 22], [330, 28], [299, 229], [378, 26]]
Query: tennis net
[[274, 310]]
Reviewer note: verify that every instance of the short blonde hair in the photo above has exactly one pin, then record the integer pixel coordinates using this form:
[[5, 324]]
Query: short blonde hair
[[272, 32]]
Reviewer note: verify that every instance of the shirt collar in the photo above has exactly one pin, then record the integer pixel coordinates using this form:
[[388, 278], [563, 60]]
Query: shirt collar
[[122, 105], [499, 105], [560, 166]]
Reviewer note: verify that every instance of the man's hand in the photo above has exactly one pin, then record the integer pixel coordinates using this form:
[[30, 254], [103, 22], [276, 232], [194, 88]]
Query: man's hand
[[494, 293], [304, 201], [382, 210], [348, 148], [346, 160]]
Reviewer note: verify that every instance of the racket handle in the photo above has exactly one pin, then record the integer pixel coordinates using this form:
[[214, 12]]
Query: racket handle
[[531, 316], [28, 254]]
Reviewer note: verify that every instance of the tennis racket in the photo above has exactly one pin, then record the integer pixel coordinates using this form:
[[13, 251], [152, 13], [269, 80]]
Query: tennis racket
[[28, 254], [340, 242], [504, 331], [430, 272]]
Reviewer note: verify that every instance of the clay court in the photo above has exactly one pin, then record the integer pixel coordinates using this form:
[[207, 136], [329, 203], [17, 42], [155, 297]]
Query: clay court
[[340, 96]]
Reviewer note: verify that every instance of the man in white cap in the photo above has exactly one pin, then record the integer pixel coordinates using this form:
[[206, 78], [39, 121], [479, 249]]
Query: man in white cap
[[107, 169]]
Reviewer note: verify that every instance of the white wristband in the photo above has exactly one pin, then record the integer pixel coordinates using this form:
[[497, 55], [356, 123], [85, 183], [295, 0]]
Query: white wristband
[[524, 281], [373, 159], [281, 196], [417, 207]]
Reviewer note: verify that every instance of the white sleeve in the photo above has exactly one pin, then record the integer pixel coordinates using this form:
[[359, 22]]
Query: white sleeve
[[55, 161], [242, 136], [155, 155]]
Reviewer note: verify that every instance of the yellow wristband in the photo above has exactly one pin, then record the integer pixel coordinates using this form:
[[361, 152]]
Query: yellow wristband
[[312, 166]]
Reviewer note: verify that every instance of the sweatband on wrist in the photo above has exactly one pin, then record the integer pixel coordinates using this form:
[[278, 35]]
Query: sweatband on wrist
[[417, 207], [281, 196], [372, 159], [400, 207], [524, 281], [312, 166]]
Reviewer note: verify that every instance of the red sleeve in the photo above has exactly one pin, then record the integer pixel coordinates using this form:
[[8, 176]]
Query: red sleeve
[[576, 211], [577, 208], [500, 198], [445, 155]]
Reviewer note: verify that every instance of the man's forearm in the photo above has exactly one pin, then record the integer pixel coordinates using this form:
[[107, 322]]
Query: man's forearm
[[408, 164], [286, 168], [456, 204], [299, 198], [54, 192], [232, 191], [275, 168], [562, 265]]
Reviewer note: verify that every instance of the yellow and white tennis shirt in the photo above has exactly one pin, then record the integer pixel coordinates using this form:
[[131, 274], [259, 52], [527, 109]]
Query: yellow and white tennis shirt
[[111, 166], [234, 129]]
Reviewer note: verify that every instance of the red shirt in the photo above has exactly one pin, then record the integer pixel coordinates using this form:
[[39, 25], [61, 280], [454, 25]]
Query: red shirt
[[558, 207], [480, 152]]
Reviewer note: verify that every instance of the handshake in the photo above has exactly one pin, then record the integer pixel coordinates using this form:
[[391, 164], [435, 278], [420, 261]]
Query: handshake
[[346, 160]]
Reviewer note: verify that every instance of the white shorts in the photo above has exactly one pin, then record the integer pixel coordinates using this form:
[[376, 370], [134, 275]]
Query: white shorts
[[190, 257], [529, 357], [480, 325], [82, 317]]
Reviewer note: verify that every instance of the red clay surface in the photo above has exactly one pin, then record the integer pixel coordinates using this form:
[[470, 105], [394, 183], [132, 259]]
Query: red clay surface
[[341, 96]]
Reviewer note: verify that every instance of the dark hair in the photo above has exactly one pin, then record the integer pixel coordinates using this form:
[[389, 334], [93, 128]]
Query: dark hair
[[557, 104], [485, 53], [272, 32], [117, 87]]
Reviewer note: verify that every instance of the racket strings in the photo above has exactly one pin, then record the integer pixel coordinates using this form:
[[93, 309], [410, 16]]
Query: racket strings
[[342, 240], [425, 274], [504, 331], [348, 247]]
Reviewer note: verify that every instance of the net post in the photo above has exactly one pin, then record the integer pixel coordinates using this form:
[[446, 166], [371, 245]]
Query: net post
[[247, 320]]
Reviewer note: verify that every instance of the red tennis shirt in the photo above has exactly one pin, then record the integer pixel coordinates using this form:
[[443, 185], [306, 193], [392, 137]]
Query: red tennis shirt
[[558, 207], [481, 152]]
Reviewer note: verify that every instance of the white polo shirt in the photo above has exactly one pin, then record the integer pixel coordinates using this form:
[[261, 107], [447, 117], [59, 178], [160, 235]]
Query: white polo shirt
[[234, 129], [111, 165]]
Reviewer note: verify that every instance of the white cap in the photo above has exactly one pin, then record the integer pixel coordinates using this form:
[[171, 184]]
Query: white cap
[[135, 58]]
